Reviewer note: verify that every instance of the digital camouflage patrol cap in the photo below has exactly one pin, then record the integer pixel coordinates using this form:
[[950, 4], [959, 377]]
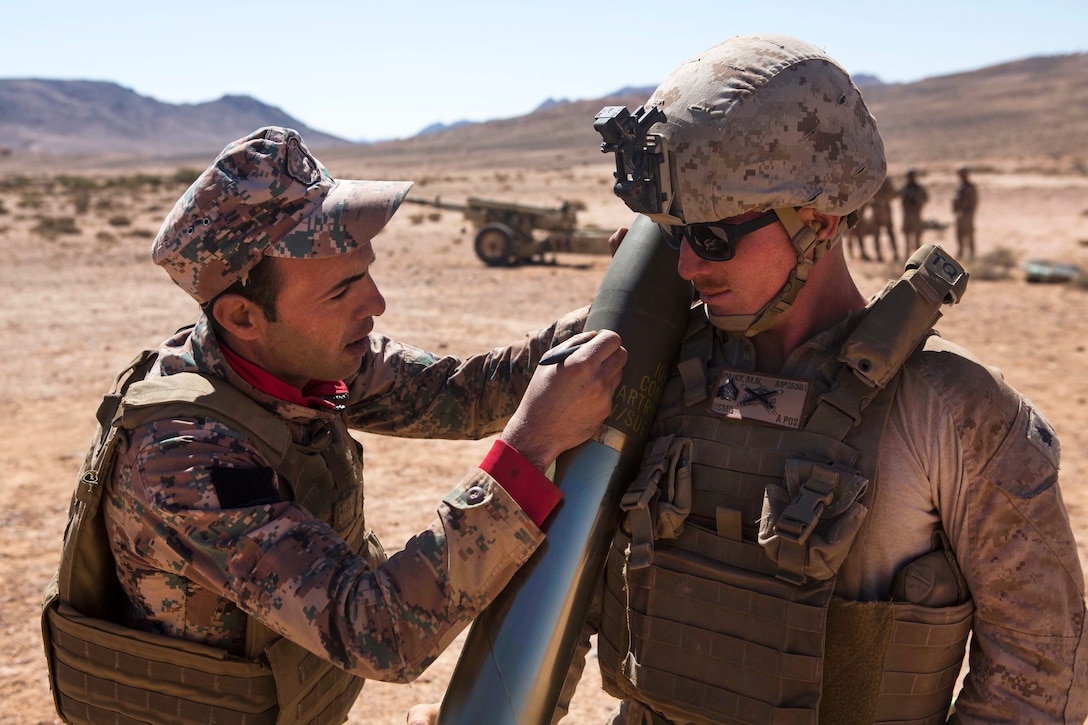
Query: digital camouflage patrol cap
[[266, 194], [765, 122]]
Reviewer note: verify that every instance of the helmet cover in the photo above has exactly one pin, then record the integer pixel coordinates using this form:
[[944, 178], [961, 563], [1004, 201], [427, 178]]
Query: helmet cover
[[764, 122]]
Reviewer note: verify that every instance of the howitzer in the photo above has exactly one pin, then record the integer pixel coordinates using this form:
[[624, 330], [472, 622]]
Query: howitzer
[[519, 649], [508, 234]]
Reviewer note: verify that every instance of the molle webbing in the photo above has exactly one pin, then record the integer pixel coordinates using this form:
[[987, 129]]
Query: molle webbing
[[701, 640], [709, 632], [99, 665], [103, 671]]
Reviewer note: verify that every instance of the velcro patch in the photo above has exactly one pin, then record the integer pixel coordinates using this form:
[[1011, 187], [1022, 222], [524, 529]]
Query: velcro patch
[[753, 396], [243, 487], [1042, 436]]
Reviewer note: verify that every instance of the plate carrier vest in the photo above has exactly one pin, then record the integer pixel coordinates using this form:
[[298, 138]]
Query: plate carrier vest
[[708, 619], [100, 670]]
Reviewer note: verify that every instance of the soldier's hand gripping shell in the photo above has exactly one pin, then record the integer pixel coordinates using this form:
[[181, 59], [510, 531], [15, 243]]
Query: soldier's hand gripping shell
[[566, 403]]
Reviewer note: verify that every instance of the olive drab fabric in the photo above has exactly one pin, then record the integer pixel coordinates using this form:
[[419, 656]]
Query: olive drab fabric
[[278, 681]]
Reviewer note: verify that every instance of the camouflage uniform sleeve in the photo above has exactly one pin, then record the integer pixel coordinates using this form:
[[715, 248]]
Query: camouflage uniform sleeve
[[183, 550], [1012, 538], [408, 392]]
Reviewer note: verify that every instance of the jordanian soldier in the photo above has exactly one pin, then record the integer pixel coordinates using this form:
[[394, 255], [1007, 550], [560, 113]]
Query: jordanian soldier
[[217, 566], [833, 499]]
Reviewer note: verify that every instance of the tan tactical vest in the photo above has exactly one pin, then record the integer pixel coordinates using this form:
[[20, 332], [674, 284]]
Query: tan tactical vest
[[719, 602], [103, 671]]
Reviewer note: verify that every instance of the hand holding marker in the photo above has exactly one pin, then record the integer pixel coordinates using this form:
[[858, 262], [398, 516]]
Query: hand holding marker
[[558, 355]]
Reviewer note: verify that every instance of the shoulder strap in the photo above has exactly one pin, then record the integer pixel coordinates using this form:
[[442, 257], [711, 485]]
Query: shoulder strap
[[892, 329], [189, 394], [696, 349]]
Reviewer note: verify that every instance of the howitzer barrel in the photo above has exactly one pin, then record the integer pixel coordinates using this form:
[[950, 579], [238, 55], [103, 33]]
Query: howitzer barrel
[[436, 203], [518, 652]]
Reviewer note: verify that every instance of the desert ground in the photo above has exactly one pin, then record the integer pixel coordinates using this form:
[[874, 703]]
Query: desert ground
[[81, 297]]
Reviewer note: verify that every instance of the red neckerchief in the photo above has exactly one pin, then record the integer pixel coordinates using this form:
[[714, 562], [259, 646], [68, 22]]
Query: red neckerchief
[[327, 394]]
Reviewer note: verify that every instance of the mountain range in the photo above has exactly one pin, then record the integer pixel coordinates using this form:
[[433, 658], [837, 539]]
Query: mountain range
[[1036, 108], [94, 117]]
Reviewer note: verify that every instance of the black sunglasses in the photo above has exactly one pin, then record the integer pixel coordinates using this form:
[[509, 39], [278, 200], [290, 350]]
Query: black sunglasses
[[716, 241]]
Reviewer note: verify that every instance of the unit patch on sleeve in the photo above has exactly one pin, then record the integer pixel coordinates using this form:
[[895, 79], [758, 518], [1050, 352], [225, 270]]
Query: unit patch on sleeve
[[763, 398]]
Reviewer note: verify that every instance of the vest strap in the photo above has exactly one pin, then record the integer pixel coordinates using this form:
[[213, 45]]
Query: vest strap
[[696, 349], [693, 375]]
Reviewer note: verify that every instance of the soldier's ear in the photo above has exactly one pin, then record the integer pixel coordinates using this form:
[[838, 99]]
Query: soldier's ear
[[823, 225], [239, 316]]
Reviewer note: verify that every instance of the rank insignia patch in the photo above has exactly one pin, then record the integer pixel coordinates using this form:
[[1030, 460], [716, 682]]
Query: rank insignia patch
[[763, 398]]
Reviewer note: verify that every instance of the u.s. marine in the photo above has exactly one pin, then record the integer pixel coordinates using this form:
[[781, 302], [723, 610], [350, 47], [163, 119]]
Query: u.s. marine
[[831, 571]]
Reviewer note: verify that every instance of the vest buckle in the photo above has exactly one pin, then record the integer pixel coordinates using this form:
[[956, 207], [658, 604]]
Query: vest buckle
[[803, 513]]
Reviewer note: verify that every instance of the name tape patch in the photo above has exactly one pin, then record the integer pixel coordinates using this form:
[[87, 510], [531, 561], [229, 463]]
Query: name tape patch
[[751, 396]]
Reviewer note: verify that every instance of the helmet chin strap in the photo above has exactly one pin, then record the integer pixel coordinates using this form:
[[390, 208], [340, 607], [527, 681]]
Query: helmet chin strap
[[804, 241]]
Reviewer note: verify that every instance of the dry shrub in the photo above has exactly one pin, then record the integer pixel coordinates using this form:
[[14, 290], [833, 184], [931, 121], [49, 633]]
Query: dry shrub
[[30, 200], [15, 183], [52, 227], [119, 220], [996, 264], [185, 176], [81, 200]]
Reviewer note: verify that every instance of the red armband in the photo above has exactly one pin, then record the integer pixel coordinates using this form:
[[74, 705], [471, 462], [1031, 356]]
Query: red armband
[[530, 489]]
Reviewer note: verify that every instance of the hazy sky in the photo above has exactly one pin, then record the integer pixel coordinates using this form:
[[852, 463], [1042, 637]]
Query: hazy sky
[[378, 70]]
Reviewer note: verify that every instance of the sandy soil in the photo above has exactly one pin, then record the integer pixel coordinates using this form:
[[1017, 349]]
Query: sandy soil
[[76, 308]]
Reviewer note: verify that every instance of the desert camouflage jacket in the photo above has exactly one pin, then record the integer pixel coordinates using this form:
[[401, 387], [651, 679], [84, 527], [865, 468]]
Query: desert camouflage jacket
[[196, 557], [966, 453]]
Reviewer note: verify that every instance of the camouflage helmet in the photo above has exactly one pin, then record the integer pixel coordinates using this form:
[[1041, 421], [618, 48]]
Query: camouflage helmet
[[766, 122], [763, 122]]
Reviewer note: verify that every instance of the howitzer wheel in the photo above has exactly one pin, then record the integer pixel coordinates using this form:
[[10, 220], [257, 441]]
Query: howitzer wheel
[[495, 245]]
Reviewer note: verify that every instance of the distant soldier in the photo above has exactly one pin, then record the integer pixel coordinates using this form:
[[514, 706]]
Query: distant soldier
[[855, 237], [880, 207], [964, 204], [913, 197]]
